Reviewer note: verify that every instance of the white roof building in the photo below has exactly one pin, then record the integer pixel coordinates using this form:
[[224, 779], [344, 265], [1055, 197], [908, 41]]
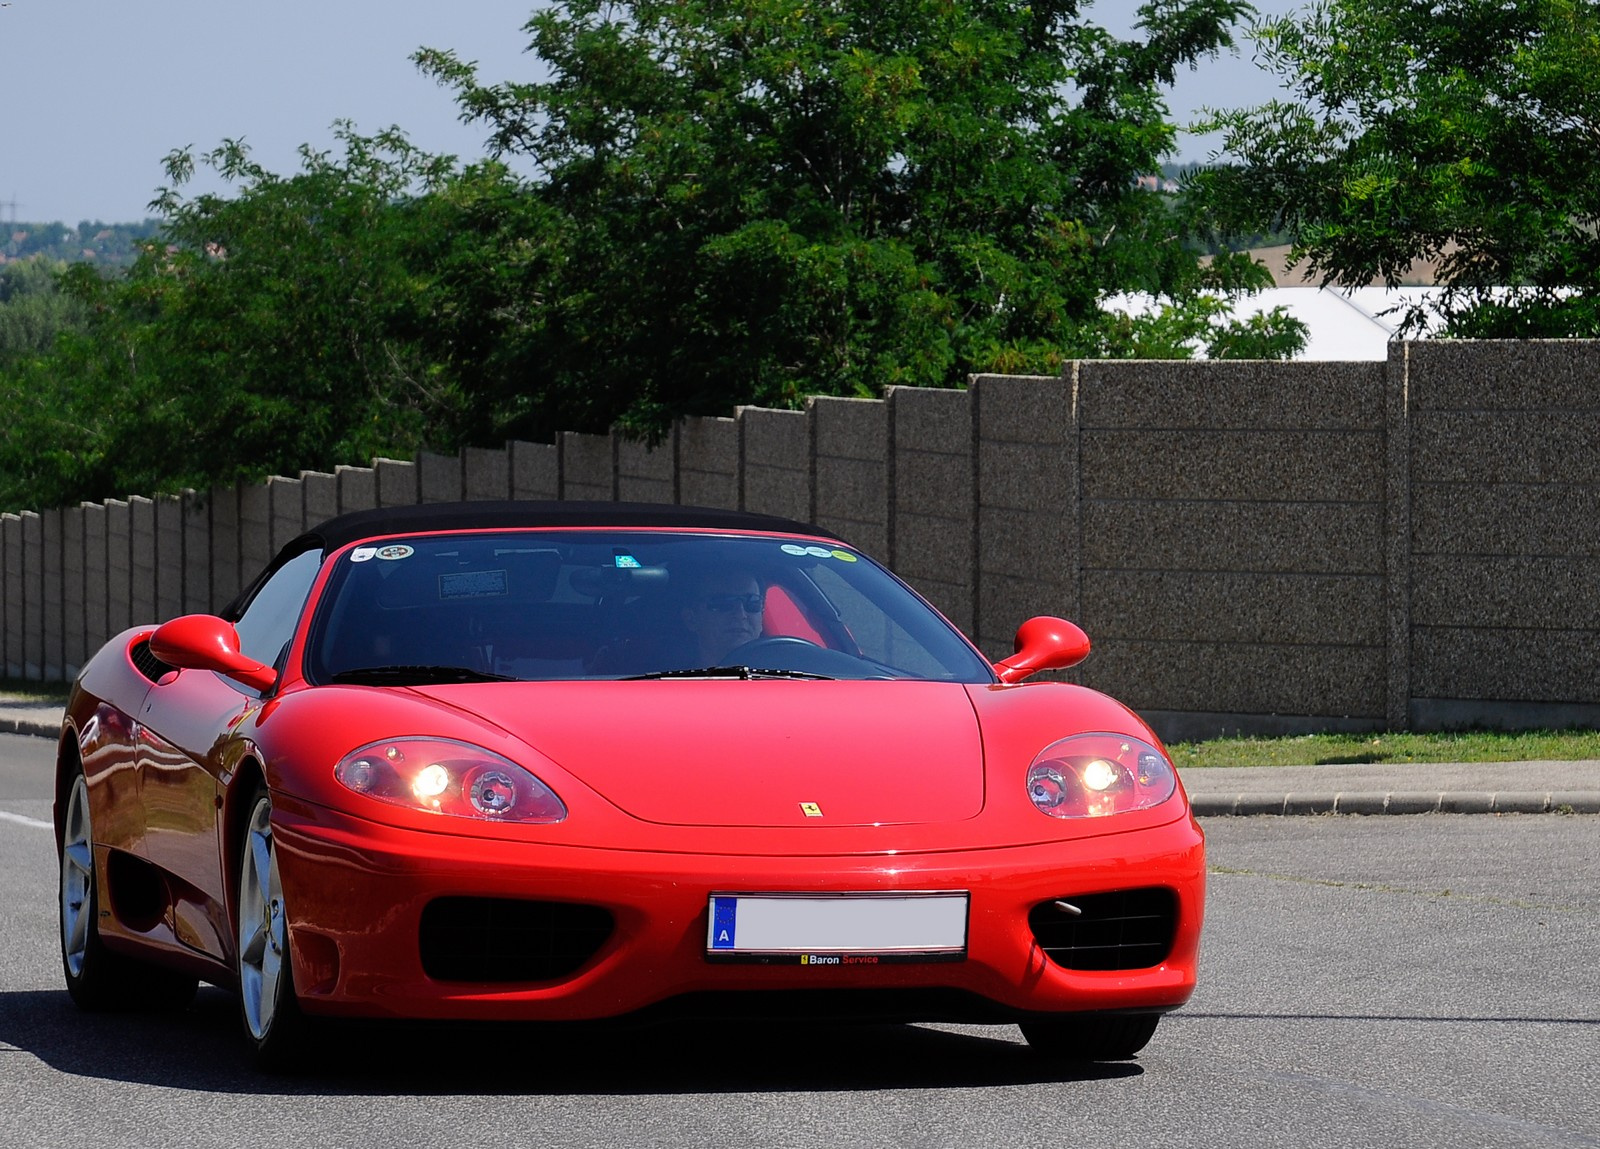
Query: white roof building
[[1343, 323]]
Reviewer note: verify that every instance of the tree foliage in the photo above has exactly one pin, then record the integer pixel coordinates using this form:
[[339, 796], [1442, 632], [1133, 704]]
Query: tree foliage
[[34, 311], [272, 330], [726, 203], [762, 199], [1463, 131]]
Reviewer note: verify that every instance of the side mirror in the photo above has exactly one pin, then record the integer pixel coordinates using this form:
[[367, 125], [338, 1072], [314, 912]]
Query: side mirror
[[206, 642], [1044, 643]]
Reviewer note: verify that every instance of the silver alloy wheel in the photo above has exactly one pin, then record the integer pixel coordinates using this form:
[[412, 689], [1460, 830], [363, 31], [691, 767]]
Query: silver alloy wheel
[[263, 933], [77, 878]]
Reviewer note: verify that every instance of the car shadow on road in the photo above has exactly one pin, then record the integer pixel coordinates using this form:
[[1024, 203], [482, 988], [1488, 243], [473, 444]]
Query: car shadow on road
[[201, 1049]]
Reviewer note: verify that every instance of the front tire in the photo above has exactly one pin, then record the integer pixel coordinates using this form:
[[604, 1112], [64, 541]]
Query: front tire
[[100, 979], [268, 1007], [1092, 1037]]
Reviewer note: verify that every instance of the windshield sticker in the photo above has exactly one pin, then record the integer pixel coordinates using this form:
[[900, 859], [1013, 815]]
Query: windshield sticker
[[627, 562], [396, 551], [474, 584], [362, 554], [801, 552]]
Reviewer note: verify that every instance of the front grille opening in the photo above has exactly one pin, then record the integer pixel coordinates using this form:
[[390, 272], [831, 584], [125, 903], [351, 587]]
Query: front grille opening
[[147, 663], [506, 940], [1126, 929]]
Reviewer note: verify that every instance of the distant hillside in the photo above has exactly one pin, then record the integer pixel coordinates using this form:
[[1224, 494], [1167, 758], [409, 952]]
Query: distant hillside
[[103, 244]]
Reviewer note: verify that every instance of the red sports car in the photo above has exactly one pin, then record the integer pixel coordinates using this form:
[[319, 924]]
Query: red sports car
[[566, 761]]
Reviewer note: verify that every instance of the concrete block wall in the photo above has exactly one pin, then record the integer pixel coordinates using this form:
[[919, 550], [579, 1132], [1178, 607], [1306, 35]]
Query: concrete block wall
[[1504, 477], [850, 453], [439, 478], [195, 526], [1232, 541], [255, 529], [535, 470], [32, 596], [74, 605], [1252, 546], [647, 473], [356, 487], [96, 617], [775, 463], [120, 566], [16, 615], [142, 549], [288, 500], [933, 498], [396, 483], [485, 474], [708, 462], [224, 532], [1026, 503], [588, 467], [52, 590]]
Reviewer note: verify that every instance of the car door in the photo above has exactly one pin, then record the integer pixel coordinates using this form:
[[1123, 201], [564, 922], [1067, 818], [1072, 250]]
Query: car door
[[187, 754]]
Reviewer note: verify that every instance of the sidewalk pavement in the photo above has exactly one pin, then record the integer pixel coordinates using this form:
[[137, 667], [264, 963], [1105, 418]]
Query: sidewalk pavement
[[1365, 788]]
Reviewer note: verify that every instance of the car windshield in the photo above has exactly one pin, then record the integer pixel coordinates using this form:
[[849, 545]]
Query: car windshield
[[575, 604]]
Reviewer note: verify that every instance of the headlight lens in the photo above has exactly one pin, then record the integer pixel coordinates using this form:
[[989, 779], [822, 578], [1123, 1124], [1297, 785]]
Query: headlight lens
[[441, 776], [1089, 775]]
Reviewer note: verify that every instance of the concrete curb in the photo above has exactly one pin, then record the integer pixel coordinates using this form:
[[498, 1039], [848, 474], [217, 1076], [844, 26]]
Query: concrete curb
[[31, 726], [1398, 802]]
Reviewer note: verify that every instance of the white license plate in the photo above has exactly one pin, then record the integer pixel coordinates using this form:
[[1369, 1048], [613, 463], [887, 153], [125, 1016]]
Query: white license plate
[[837, 929]]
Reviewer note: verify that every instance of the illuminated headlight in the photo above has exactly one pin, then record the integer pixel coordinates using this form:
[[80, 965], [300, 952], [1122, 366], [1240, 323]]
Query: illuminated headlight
[[440, 776], [1089, 775]]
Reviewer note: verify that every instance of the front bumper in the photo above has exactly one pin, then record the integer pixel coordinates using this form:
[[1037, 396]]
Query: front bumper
[[355, 893]]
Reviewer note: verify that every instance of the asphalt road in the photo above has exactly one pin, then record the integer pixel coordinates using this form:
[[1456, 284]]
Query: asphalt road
[[1394, 981]]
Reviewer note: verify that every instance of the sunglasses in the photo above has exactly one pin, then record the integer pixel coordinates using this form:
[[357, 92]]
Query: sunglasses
[[723, 603]]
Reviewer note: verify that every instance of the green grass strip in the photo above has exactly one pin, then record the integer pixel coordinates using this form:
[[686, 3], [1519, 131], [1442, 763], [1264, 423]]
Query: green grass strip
[[1337, 749]]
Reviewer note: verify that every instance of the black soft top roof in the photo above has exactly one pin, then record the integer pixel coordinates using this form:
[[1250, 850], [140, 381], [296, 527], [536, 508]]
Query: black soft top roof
[[425, 517]]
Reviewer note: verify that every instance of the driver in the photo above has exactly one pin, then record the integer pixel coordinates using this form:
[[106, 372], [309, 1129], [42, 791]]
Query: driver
[[725, 614]]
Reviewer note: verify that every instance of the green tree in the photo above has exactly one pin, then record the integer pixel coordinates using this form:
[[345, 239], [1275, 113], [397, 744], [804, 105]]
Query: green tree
[[33, 309], [762, 199], [280, 328], [375, 301], [729, 204], [1458, 130]]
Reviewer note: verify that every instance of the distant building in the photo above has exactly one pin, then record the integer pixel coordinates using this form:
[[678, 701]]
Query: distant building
[[1342, 324]]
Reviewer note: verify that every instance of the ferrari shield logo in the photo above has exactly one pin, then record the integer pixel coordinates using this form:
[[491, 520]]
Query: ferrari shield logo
[[811, 809]]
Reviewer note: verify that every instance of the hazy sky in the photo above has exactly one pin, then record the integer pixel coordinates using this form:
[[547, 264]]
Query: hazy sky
[[97, 92]]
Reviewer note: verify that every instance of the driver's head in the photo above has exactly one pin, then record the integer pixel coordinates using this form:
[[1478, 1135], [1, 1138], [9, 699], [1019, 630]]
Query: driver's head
[[724, 613]]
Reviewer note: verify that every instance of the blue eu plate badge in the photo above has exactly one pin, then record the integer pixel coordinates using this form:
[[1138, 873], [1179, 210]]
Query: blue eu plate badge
[[724, 923]]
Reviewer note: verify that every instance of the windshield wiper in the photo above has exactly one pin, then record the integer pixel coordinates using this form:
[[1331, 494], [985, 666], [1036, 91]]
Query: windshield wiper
[[745, 672], [415, 675]]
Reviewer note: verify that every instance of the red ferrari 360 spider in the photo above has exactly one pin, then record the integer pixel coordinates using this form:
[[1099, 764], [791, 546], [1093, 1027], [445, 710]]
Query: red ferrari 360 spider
[[566, 761]]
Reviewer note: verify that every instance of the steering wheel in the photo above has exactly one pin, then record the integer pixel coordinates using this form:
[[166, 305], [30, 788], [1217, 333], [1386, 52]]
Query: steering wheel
[[769, 642]]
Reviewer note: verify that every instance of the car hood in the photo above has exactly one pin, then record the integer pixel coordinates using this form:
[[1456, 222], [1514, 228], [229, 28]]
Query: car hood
[[714, 752]]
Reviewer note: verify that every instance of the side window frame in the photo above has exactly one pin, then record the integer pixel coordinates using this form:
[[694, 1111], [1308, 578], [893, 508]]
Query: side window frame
[[292, 575]]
